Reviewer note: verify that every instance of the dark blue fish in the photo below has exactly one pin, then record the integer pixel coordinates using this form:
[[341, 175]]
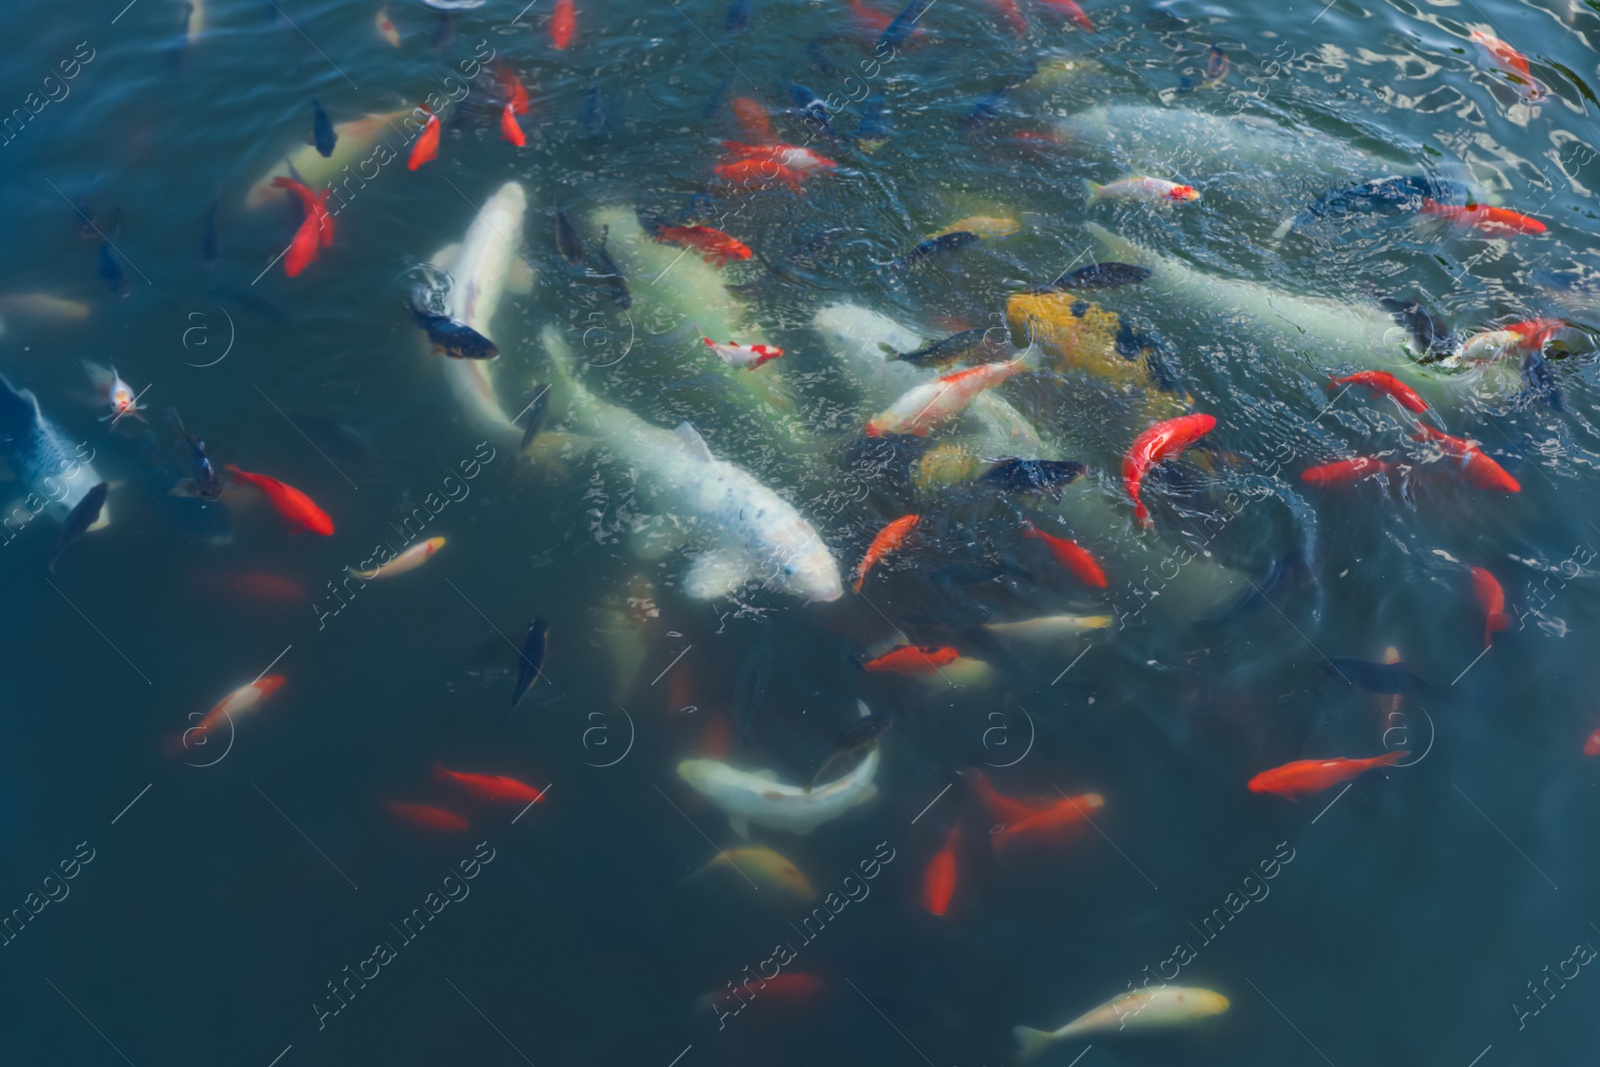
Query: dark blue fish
[[614, 278], [876, 122], [205, 480], [568, 242], [211, 236], [815, 112], [1387, 678], [532, 417], [738, 17], [942, 352], [530, 667], [1099, 276], [1540, 381], [455, 339], [111, 272], [1400, 193], [899, 31], [322, 134], [595, 120], [1431, 339], [945, 242], [1045, 476], [79, 519]]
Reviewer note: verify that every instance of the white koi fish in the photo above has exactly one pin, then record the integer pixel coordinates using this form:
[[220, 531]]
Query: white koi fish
[[111, 390], [758, 797], [931, 404], [1049, 627], [1149, 190]]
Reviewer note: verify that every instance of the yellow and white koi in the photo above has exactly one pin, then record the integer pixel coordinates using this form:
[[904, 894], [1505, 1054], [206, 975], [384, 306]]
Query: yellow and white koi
[[766, 868], [1168, 1005], [409, 560], [1049, 627]]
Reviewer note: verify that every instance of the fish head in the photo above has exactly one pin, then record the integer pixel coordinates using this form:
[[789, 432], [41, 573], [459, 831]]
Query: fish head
[[811, 573], [1209, 1002], [698, 773]]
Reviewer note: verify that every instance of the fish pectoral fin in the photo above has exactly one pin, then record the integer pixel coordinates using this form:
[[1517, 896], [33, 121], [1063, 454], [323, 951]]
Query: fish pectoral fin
[[519, 276], [716, 573], [740, 827], [693, 443]]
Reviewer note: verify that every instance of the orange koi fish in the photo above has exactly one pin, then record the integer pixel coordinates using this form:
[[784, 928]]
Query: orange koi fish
[[516, 104], [562, 22], [999, 806], [1500, 54], [912, 659], [1381, 381], [1497, 220], [1345, 471], [923, 407], [1070, 10], [1315, 775], [939, 880], [887, 540], [427, 147], [429, 816], [1053, 824], [1160, 441], [1070, 555], [717, 248], [1479, 469], [754, 126], [1492, 597], [493, 787], [297, 508]]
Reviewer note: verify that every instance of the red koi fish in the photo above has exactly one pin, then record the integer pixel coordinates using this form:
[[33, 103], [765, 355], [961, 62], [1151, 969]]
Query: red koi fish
[[939, 880], [426, 148], [1508, 59], [1070, 10], [759, 174], [1315, 775], [287, 501], [1591, 747], [562, 22], [429, 816], [887, 540], [787, 988], [1070, 555], [912, 659], [1160, 441], [1381, 381], [791, 156], [1054, 824], [1480, 470], [717, 248], [1486, 587], [303, 249], [516, 104], [1345, 471], [1000, 807], [493, 787], [1497, 220], [754, 126], [240, 702], [316, 205]]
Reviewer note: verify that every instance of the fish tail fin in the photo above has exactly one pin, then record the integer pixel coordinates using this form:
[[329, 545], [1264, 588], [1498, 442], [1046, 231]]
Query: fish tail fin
[[1389, 759], [1499, 621], [1092, 189], [856, 588], [365, 576], [1030, 1042], [890, 353]]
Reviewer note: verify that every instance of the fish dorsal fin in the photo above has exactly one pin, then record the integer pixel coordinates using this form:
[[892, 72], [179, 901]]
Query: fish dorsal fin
[[446, 257], [519, 276], [693, 442]]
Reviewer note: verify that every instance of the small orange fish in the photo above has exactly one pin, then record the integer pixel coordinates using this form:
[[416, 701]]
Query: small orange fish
[[316, 204], [1061, 820], [429, 816], [1071, 11], [1493, 600], [1164, 439], [562, 22], [516, 104], [495, 787], [426, 147], [1315, 775], [1381, 381], [1480, 470], [1482, 217], [300, 510], [1070, 555], [939, 880], [888, 539], [1508, 59], [717, 248], [1345, 471], [912, 659]]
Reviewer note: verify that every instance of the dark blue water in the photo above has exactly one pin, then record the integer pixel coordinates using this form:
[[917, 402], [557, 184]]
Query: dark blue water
[[253, 900]]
